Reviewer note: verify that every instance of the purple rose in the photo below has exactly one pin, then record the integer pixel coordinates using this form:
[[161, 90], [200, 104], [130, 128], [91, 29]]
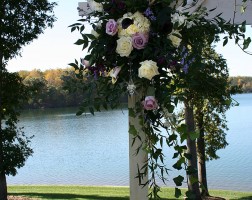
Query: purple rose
[[139, 40], [150, 103], [111, 27]]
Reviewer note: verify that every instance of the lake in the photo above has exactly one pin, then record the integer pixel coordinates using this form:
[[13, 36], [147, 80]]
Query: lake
[[93, 150]]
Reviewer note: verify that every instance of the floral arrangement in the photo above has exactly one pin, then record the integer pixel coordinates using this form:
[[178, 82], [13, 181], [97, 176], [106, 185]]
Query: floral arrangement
[[151, 49]]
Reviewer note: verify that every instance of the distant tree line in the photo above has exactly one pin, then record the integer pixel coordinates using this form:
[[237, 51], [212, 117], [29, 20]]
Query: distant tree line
[[49, 89], [53, 88], [244, 82]]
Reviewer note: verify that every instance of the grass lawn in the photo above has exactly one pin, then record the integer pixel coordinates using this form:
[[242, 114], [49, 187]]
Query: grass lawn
[[102, 193]]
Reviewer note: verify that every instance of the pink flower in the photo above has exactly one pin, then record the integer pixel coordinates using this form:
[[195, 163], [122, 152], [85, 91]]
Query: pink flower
[[150, 103], [139, 40], [114, 73], [85, 63], [111, 27]]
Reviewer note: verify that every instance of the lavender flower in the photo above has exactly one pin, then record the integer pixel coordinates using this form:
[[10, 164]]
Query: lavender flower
[[111, 27], [148, 13], [186, 62], [153, 18], [185, 68], [139, 40]]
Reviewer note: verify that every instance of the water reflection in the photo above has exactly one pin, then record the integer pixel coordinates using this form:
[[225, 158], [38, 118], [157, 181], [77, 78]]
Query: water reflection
[[93, 150]]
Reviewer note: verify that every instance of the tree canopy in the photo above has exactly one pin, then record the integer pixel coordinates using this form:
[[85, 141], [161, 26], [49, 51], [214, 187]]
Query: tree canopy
[[22, 22], [15, 144]]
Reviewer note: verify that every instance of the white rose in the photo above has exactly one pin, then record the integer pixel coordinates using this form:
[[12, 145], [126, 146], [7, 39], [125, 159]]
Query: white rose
[[124, 46], [94, 6], [175, 39], [148, 69]]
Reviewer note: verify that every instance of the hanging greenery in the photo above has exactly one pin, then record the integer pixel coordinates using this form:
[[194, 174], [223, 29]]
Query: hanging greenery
[[153, 50]]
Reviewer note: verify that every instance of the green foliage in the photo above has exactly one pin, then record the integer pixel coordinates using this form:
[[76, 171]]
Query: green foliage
[[22, 22], [177, 193], [186, 68], [211, 106], [178, 180], [14, 143]]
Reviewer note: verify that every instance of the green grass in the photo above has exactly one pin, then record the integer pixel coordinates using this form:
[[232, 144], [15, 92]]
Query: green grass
[[102, 193]]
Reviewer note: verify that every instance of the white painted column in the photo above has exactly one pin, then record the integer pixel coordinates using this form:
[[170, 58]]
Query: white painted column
[[137, 192]]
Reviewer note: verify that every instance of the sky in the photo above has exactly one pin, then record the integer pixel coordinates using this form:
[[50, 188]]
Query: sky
[[55, 48]]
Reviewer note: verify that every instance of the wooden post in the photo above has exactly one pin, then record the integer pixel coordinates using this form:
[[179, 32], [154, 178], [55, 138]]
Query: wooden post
[[136, 161]]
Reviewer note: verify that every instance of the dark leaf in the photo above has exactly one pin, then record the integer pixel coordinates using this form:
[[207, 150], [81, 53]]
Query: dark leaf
[[177, 192], [178, 180], [225, 42], [73, 29], [80, 112], [91, 110], [246, 43], [132, 130], [79, 42]]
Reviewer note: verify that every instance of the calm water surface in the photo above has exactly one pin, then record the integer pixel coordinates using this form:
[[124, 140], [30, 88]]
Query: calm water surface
[[93, 150]]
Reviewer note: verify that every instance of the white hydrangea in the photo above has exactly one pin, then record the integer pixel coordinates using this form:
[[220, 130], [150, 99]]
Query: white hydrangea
[[141, 22], [178, 18], [141, 25], [123, 32], [190, 24]]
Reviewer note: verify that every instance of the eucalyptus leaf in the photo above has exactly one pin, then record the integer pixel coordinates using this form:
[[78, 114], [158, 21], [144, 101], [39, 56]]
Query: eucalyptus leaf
[[80, 42], [132, 130], [177, 192], [178, 180]]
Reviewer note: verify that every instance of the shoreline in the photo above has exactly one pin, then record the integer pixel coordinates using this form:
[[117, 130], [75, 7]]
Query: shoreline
[[48, 192], [113, 186]]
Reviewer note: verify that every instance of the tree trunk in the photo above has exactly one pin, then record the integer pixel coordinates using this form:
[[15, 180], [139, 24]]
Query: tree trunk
[[202, 157], [3, 184], [193, 185], [3, 187]]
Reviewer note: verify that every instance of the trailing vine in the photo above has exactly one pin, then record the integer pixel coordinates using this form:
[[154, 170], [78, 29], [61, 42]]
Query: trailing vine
[[152, 50]]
